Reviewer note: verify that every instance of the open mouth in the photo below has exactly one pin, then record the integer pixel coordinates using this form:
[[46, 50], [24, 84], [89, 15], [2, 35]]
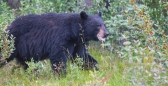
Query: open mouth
[[100, 38]]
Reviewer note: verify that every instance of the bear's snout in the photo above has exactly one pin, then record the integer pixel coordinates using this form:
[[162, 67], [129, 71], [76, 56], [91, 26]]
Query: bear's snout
[[103, 33], [106, 34]]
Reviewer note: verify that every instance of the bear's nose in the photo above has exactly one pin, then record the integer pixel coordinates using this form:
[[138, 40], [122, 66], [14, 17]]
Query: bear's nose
[[106, 34]]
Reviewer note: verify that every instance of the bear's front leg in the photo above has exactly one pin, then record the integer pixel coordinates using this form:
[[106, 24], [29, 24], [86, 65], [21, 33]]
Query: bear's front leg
[[59, 56], [58, 67], [58, 61], [89, 61]]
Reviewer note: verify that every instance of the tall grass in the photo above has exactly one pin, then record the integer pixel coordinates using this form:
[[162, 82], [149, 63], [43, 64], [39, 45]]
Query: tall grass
[[111, 73], [136, 54]]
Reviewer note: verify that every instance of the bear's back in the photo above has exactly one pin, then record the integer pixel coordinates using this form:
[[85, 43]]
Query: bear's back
[[31, 22]]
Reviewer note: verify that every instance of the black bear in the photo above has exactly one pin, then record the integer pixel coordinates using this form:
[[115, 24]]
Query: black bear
[[57, 36]]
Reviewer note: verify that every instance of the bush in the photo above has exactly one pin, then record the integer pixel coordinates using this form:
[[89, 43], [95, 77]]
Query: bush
[[137, 33], [6, 45], [140, 41]]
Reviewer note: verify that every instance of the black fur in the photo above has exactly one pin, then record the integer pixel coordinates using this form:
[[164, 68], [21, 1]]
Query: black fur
[[57, 36]]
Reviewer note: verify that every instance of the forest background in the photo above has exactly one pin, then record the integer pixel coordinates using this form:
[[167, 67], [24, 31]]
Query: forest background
[[135, 53]]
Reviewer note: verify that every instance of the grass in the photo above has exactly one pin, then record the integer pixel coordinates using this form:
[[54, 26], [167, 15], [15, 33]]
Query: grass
[[148, 69], [111, 73]]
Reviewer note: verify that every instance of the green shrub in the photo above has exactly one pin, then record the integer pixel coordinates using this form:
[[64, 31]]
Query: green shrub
[[6, 45], [142, 42], [137, 36]]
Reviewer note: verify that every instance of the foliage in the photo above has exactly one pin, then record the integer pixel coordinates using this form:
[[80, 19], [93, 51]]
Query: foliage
[[38, 6], [142, 41], [158, 12], [135, 53], [6, 45]]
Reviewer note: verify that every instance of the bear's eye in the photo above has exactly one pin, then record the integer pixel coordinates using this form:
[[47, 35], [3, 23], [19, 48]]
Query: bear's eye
[[99, 25], [105, 25]]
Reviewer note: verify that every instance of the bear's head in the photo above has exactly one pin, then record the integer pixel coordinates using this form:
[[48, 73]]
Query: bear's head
[[94, 27]]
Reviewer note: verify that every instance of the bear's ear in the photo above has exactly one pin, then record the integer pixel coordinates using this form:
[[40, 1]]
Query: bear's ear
[[100, 13], [83, 15]]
